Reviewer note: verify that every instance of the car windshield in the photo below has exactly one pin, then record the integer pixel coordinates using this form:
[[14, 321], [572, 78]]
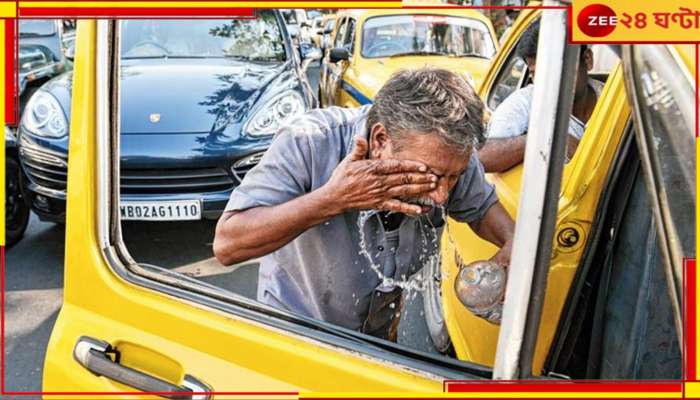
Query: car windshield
[[398, 35], [310, 14], [36, 27], [258, 39]]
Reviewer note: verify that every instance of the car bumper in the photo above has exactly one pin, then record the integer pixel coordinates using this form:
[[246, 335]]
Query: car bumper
[[51, 205], [213, 204], [47, 170], [211, 184]]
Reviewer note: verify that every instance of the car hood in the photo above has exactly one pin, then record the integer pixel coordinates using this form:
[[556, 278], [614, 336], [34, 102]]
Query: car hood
[[155, 97], [378, 71]]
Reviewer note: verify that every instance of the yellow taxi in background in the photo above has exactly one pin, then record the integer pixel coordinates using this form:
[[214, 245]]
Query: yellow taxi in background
[[323, 28], [612, 288], [368, 46]]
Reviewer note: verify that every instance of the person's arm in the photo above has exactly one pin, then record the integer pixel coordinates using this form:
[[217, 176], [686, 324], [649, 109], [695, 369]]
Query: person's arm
[[571, 146], [502, 154], [242, 235], [507, 128], [474, 201], [356, 183], [497, 227]]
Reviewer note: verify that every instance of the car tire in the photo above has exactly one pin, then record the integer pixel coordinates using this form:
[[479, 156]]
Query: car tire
[[432, 305], [16, 209]]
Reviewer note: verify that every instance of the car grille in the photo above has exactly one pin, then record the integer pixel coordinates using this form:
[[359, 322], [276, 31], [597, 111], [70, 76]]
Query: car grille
[[46, 169], [168, 181]]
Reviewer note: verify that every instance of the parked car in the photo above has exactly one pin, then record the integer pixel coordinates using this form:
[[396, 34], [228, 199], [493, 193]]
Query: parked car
[[368, 46], [611, 306], [16, 209], [323, 27], [200, 103], [125, 326]]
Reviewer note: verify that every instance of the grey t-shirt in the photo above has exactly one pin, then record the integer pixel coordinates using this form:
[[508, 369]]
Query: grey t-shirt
[[512, 117], [322, 273]]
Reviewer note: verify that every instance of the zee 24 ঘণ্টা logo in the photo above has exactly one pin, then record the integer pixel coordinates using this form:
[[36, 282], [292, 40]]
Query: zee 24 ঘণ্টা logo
[[600, 20]]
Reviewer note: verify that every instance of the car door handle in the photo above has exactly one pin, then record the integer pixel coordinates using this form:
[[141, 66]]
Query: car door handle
[[93, 354]]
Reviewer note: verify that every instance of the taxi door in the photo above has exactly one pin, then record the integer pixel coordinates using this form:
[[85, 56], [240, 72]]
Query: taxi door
[[473, 338], [327, 67], [663, 92], [127, 327], [336, 70]]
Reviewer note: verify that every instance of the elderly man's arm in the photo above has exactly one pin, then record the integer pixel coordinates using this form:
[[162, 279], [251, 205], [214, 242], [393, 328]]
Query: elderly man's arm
[[497, 227], [242, 235], [356, 183], [502, 154]]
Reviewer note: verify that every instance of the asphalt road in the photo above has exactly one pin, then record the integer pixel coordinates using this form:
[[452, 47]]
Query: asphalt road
[[34, 284]]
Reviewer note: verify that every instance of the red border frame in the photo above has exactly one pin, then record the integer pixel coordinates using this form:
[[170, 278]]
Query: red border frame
[[591, 386], [11, 117]]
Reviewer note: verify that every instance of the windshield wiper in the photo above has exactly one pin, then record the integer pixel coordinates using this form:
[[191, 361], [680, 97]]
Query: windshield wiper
[[32, 34], [185, 56], [472, 54], [144, 57], [419, 53]]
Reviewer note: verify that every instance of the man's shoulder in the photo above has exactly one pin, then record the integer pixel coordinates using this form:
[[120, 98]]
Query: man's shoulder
[[523, 94], [518, 101], [511, 116], [332, 126]]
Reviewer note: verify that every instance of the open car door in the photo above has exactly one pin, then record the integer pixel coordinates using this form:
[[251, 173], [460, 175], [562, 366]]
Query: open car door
[[662, 91]]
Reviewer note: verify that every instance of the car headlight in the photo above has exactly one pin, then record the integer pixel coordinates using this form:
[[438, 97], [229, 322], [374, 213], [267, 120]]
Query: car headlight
[[269, 117], [43, 116]]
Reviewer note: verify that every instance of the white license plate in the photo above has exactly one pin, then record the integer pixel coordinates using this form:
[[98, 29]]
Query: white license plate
[[180, 210]]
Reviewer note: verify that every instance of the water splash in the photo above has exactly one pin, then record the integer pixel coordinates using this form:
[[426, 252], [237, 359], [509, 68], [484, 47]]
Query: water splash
[[417, 282]]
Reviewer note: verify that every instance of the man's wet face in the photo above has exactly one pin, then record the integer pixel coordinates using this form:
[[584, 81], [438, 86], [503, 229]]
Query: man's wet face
[[443, 160]]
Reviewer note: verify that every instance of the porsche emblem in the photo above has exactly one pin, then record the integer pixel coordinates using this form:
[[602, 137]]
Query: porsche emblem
[[154, 117]]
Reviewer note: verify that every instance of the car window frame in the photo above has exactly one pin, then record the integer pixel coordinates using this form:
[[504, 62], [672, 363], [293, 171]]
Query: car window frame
[[507, 59], [349, 39], [186, 290], [339, 36]]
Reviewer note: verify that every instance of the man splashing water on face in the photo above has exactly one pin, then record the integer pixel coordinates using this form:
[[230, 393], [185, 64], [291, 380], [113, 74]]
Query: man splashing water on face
[[400, 158]]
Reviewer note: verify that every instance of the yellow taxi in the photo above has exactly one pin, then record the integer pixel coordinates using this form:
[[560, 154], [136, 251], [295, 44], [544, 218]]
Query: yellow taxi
[[125, 326], [611, 289], [324, 27], [368, 46]]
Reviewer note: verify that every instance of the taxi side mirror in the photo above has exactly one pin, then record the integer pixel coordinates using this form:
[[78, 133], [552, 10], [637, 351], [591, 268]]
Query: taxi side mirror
[[338, 54]]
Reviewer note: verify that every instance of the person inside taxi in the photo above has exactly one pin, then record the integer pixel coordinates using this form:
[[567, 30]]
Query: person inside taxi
[[341, 191], [507, 128]]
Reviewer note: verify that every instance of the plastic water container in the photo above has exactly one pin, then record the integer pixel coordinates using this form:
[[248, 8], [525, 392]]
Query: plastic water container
[[481, 287]]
